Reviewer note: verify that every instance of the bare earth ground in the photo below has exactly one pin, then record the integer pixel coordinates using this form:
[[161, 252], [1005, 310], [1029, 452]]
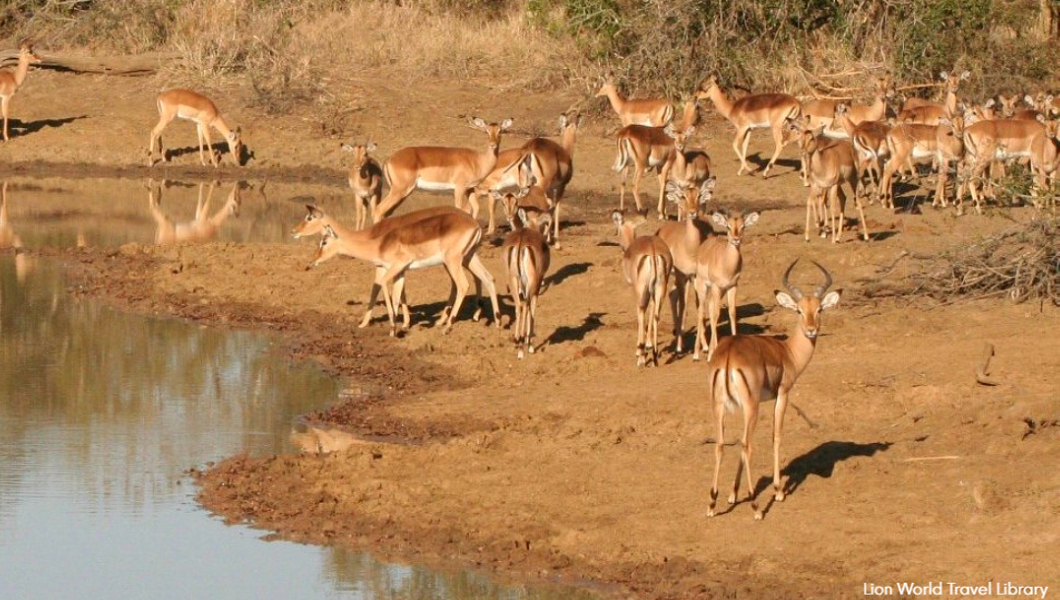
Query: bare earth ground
[[573, 465]]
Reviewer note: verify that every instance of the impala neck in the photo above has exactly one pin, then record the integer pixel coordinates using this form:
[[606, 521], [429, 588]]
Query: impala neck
[[721, 102], [626, 235], [800, 349], [617, 101], [22, 69], [566, 140], [359, 244]]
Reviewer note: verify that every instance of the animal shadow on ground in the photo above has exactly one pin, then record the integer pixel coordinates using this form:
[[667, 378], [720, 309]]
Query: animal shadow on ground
[[27, 127], [564, 333], [568, 270], [820, 461], [221, 148]]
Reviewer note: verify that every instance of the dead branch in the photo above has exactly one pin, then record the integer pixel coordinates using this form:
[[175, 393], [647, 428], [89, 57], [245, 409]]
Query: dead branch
[[982, 374], [140, 64]]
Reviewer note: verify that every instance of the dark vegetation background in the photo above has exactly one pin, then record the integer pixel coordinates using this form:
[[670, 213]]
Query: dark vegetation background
[[823, 47]]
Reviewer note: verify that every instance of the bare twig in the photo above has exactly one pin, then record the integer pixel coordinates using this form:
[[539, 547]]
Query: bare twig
[[983, 372]]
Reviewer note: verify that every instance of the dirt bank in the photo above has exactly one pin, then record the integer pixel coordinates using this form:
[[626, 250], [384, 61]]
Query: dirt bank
[[573, 464]]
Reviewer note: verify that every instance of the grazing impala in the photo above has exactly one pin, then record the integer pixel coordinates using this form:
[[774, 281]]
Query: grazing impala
[[316, 219], [366, 180], [437, 168], [193, 106], [719, 264], [683, 237], [450, 239], [512, 171], [643, 148], [10, 81], [756, 111], [646, 264], [203, 227], [747, 370], [527, 255], [651, 112]]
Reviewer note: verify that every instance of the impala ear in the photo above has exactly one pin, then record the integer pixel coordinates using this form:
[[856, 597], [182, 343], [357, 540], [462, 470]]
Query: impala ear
[[720, 219], [966, 76], [370, 147], [750, 219], [316, 212], [672, 187], [329, 232], [1040, 118], [476, 122], [506, 124], [345, 147], [563, 121], [944, 75], [784, 299], [616, 217], [831, 299]]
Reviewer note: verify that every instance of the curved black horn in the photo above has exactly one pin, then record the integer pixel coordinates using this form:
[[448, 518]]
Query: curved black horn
[[821, 289], [792, 289]]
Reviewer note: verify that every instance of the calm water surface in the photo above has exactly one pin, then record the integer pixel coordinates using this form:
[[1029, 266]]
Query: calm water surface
[[102, 413]]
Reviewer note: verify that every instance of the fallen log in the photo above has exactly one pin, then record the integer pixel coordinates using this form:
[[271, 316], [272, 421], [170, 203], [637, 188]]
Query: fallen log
[[139, 64]]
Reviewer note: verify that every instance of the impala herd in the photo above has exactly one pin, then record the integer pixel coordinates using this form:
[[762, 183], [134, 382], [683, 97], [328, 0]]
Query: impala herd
[[842, 145]]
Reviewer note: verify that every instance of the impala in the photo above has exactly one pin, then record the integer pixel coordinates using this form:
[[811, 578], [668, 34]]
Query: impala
[[438, 168], [691, 167], [756, 111], [683, 238], [719, 264], [870, 142], [923, 112], [909, 142], [526, 207], [644, 148], [195, 107], [1045, 155], [203, 227], [10, 81], [365, 178], [512, 171], [316, 219], [748, 370], [998, 139], [552, 166], [449, 239], [646, 264], [526, 254], [821, 112], [951, 82], [830, 164], [651, 112]]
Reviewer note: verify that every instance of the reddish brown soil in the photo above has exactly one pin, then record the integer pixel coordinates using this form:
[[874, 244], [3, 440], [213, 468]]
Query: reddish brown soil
[[573, 464]]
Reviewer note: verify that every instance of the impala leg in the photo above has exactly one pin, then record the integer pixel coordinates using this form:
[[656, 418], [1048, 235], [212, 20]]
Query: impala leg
[[810, 208], [719, 443], [359, 204], [456, 273], [731, 301], [156, 135], [555, 219], [861, 217], [715, 312], [743, 152], [664, 173], [700, 343], [750, 417], [778, 139], [778, 424], [837, 203], [491, 205], [5, 102], [677, 308], [638, 173], [387, 278], [209, 145], [373, 297], [642, 314], [531, 315], [622, 188], [483, 277], [399, 294]]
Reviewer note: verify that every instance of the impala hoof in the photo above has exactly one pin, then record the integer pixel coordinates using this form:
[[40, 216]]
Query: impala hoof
[[710, 512], [758, 515], [520, 355], [732, 498], [779, 496]]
